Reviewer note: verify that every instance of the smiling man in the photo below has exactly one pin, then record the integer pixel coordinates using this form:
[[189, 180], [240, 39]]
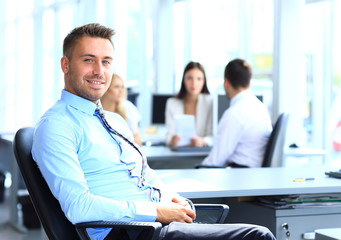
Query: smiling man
[[94, 169], [88, 68]]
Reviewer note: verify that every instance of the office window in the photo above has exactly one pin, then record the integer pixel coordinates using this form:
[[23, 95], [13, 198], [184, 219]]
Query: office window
[[214, 34], [323, 77], [335, 91], [11, 10], [179, 31], [261, 39], [198, 36], [32, 81], [48, 62], [48, 2], [24, 78], [25, 9]]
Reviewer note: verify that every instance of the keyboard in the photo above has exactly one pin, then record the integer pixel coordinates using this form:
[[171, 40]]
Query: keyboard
[[191, 149], [334, 174]]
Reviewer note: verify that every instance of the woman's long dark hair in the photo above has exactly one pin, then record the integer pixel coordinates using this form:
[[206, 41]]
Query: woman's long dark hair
[[182, 93]]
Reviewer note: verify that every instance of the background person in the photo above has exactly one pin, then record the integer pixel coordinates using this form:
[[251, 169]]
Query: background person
[[245, 127], [115, 100], [193, 99], [97, 174]]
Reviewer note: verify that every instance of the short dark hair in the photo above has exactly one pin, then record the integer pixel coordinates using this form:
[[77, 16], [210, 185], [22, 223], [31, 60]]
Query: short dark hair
[[239, 73], [191, 65], [88, 30]]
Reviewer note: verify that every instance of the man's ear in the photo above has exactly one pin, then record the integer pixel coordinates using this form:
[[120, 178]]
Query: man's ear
[[226, 84], [64, 63]]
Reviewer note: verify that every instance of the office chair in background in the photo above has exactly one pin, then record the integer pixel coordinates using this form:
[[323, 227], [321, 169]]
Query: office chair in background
[[56, 225], [273, 156]]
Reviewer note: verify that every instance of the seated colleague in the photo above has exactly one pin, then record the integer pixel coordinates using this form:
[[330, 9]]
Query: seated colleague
[[245, 127], [193, 99], [93, 169], [115, 100]]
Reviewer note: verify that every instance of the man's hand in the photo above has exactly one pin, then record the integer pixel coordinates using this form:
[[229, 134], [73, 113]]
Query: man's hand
[[182, 201], [174, 141], [197, 142], [176, 211]]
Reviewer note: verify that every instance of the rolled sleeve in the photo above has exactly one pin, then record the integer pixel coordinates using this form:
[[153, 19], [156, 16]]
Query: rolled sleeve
[[145, 211]]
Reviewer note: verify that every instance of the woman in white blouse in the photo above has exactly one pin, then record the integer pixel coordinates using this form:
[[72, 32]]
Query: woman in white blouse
[[192, 99], [115, 100]]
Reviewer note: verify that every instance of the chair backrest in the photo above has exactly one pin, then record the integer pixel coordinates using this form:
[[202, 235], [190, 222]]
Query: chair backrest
[[274, 149], [55, 224]]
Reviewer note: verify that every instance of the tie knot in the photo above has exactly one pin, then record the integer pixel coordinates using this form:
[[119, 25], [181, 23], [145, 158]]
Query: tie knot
[[99, 110]]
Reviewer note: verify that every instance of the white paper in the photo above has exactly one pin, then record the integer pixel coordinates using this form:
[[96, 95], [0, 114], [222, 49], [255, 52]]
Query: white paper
[[185, 128]]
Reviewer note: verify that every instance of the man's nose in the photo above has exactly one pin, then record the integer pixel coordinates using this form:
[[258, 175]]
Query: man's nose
[[98, 68]]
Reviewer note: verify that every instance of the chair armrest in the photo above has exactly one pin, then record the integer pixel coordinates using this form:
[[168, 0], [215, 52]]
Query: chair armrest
[[151, 228], [211, 213]]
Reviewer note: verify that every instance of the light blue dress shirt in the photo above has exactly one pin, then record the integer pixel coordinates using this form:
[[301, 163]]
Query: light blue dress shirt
[[88, 170]]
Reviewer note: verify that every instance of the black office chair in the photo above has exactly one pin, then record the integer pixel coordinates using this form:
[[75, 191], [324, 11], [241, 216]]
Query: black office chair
[[56, 225], [274, 148]]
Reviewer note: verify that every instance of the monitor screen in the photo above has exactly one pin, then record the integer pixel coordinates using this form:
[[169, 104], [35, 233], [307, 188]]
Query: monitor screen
[[223, 104], [159, 107]]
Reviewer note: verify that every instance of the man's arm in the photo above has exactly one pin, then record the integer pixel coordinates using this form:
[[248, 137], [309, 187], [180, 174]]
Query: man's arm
[[172, 207], [55, 149], [228, 135]]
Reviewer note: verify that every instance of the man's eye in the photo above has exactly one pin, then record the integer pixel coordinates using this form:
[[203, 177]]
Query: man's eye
[[88, 60], [106, 62]]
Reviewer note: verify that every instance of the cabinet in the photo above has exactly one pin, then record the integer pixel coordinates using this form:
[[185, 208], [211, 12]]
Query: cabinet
[[297, 221]]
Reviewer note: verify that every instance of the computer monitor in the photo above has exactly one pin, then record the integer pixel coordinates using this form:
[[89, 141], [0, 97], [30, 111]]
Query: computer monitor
[[159, 107], [132, 97]]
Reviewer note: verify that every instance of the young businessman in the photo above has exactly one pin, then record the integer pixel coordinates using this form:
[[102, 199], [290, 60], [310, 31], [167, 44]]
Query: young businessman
[[91, 165], [245, 126]]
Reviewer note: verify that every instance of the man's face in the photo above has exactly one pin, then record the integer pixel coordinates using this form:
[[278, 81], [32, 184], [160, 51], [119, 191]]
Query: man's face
[[88, 73]]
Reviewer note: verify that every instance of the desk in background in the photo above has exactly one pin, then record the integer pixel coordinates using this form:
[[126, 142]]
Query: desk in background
[[304, 156], [16, 180], [162, 157], [226, 185]]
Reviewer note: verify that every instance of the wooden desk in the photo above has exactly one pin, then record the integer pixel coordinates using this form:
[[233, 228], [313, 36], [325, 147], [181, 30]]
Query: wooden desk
[[225, 184], [162, 157]]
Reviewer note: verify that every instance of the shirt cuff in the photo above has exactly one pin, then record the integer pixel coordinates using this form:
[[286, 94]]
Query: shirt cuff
[[145, 211], [208, 141]]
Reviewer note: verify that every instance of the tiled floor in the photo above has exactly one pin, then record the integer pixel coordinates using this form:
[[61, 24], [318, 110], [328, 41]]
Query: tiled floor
[[7, 232]]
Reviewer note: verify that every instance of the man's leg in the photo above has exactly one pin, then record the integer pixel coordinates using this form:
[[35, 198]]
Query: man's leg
[[187, 231]]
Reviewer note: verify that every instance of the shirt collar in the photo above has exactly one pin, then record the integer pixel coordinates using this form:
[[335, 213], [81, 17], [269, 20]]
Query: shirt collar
[[240, 96], [79, 103]]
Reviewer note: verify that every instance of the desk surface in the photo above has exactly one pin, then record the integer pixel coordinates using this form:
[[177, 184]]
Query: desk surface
[[328, 234], [211, 183], [304, 152]]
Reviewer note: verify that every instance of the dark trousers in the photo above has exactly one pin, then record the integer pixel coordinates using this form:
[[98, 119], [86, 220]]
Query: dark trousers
[[179, 231]]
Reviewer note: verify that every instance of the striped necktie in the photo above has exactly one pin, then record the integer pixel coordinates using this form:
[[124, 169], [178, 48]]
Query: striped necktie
[[100, 115]]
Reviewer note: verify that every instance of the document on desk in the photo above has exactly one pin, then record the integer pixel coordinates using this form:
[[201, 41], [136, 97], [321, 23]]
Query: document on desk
[[185, 128]]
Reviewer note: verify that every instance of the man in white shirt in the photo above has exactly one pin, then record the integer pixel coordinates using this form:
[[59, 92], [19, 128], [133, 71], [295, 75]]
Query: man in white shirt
[[245, 127]]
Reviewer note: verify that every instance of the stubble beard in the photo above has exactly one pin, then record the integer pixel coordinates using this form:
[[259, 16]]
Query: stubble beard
[[79, 91]]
